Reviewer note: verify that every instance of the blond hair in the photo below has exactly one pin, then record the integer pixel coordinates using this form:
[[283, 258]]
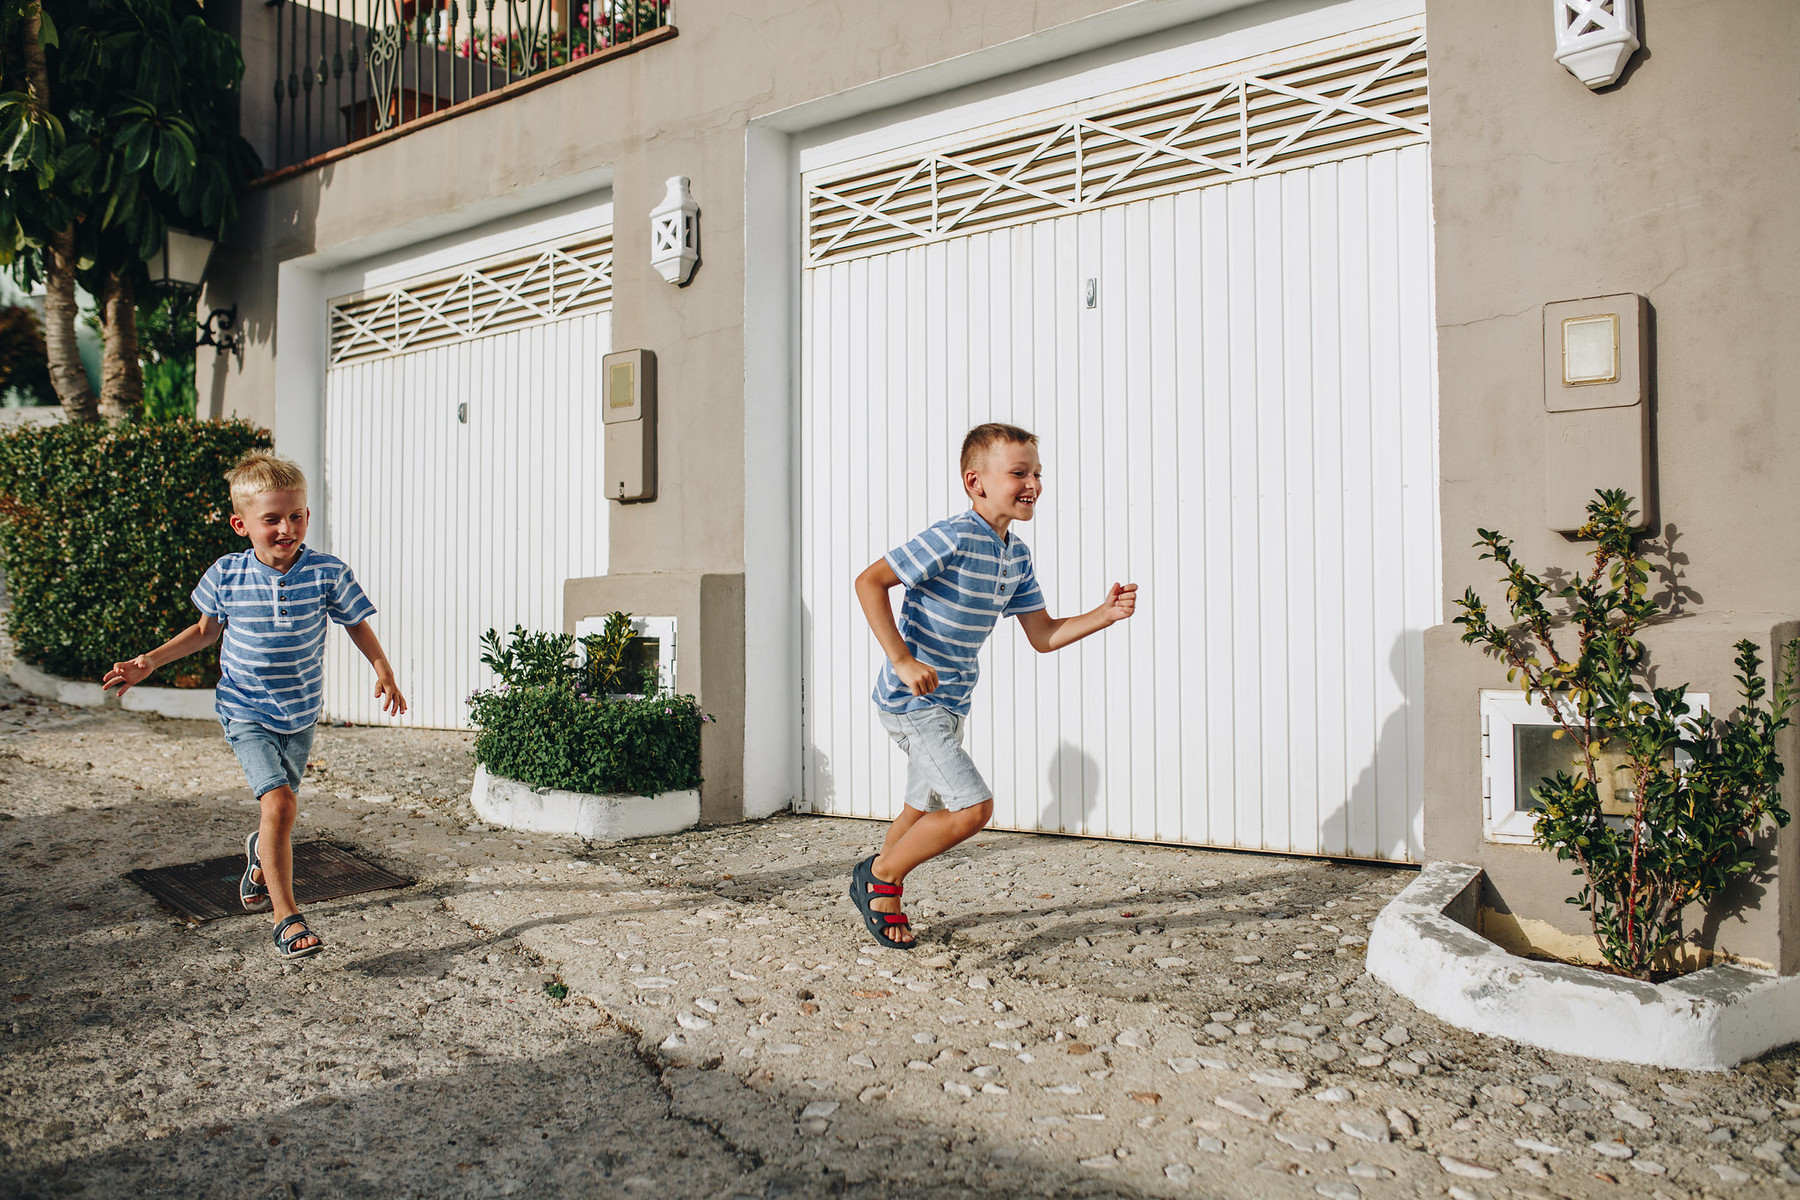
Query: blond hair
[[978, 439], [260, 471]]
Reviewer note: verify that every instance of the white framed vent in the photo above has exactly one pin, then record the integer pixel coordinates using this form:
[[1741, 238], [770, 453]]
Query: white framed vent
[[544, 283], [1519, 748], [652, 641], [1333, 99]]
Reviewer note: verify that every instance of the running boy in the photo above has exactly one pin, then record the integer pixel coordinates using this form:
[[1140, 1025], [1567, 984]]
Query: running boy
[[270, 603], [961, 576]]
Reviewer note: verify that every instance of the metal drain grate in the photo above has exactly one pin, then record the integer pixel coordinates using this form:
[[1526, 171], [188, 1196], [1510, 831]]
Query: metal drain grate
[[206, 891]]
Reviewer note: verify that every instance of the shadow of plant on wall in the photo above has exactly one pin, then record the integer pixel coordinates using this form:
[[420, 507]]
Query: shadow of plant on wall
[[1692, 792]]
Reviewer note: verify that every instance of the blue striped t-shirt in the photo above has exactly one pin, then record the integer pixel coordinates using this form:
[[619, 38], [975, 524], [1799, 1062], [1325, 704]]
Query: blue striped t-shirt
[[272, 659], [960, 580]]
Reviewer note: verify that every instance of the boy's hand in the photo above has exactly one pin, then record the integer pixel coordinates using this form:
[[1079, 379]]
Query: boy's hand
[[386, 691], [1120, 602], [920, 678], [126, 675]]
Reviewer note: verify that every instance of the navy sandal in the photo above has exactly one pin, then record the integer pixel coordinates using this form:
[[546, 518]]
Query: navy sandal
[[863, 885], [253, 895], [284, 946]]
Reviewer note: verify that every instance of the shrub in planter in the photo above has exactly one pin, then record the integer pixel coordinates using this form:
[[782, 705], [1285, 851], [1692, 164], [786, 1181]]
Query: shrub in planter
[[105, 530], [1701, 787], [552, 721]]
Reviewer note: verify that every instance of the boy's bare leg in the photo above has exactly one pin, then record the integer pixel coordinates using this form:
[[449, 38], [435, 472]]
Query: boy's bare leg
[[275, 851], [897, 828], [924, 837]]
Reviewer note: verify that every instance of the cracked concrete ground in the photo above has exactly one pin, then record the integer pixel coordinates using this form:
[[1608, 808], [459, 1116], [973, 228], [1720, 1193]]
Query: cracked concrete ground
[[1081, 1018]]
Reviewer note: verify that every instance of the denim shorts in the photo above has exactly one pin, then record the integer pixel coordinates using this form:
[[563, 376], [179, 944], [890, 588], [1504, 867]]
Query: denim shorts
[[939, 772], [270, 760]]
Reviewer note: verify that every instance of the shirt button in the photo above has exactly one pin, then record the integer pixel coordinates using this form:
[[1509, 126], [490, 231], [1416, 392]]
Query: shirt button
[[284, 612]]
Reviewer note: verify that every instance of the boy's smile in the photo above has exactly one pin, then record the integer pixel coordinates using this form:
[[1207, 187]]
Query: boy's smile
[[1006, 485], [275, 523]]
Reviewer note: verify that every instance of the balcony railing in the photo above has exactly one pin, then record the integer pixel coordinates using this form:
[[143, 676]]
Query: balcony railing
[[352, 69]]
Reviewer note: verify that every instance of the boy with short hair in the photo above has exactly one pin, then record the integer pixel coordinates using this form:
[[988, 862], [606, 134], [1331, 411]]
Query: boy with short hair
[[961, 576], [270, 603]]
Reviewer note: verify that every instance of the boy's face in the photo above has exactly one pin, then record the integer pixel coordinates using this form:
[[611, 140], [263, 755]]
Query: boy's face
[[275, 523], [1006, 482]]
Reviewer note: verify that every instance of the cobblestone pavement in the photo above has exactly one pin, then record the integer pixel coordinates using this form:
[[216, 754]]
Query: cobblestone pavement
[[1081, 1018]]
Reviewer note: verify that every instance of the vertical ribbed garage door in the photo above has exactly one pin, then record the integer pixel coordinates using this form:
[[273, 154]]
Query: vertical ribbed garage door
[[462, 423], [1242, 421]]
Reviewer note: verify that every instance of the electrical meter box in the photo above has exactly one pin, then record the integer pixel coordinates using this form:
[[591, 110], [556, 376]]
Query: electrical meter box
[[628, 404], [1596, 406]]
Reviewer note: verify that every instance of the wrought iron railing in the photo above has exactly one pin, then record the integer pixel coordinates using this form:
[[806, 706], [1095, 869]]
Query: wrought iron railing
[[352, 69]]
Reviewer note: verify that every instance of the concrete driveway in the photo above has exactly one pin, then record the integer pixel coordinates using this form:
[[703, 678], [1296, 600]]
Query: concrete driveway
[[703, 1016]]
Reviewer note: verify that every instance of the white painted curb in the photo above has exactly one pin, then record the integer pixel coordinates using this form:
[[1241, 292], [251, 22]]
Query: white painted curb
[[1422, 945], [514, 805], [184, 704]]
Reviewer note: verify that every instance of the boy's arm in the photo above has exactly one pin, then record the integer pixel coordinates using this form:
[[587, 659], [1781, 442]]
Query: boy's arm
[[196, 637], [1047, 633], [363, 635], [872, 588]]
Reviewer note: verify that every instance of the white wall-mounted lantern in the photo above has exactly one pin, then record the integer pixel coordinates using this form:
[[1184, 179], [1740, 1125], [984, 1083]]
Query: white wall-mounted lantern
[[675, 233], [180, 266], [1596, 38]]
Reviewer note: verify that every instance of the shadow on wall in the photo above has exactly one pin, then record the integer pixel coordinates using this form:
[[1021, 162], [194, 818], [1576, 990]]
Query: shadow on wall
[[1074, 777], [1387, 769]]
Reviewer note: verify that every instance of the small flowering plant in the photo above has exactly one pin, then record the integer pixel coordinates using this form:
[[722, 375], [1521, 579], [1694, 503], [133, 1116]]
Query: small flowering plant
[[556, 719], [1703, 790]]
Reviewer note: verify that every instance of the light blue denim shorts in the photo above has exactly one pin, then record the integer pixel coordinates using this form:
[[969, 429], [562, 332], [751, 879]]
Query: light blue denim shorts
[[269, 759], [939, 772]]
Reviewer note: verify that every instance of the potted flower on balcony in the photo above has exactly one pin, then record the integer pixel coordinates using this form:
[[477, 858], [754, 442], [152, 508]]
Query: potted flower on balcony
[[566, 745]]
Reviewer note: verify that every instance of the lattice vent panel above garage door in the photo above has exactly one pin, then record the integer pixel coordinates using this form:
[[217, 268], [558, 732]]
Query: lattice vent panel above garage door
[[1326, 100], [541, 284]]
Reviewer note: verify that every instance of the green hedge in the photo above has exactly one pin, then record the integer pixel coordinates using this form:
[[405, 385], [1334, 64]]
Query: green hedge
[[105, 530], [548, 736], [540, 727]]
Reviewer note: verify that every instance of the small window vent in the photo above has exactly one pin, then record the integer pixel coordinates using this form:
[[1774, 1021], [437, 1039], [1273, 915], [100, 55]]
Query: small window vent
[[1342, 98], [539, 285]]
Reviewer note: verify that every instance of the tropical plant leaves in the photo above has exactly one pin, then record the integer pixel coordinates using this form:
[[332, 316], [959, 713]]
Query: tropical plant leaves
[[138, 135]]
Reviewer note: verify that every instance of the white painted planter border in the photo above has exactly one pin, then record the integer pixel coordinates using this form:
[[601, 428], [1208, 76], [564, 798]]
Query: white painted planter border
[[185, 704], [514, 805], [1424, 947]]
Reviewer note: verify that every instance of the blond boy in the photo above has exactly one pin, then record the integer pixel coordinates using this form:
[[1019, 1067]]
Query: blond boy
[[961, 576], [270, 603]]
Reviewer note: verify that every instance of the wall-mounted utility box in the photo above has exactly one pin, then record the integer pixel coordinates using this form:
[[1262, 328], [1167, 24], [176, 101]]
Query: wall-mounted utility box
[[628, 404], [1596, 406]]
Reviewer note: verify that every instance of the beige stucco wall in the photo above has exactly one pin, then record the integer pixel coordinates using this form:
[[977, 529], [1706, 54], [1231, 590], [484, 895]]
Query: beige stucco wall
[[1678, 184]]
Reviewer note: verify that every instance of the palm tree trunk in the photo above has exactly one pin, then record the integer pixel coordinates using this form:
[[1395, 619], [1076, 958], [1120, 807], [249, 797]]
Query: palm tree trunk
[[67, 375], [121, 374]]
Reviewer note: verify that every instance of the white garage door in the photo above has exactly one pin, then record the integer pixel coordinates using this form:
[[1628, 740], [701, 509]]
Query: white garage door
[[1233, 378], [462, 422]]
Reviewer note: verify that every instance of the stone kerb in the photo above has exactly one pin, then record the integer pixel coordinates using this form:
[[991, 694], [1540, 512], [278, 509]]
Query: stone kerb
[[1422, 945], [186, 704], [595, 818]]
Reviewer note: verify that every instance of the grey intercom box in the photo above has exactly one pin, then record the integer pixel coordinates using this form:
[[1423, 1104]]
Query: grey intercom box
[[1596, 406], [628, 406]]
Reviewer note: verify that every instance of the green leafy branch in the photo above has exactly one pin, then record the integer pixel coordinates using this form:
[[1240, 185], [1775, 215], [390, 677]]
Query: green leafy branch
[[1700, 788]]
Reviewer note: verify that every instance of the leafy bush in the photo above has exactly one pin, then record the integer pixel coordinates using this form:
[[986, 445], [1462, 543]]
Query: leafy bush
[[535, 659], [166, 355], [24, 362], [551, 722], [105, 530], [1701, 787]]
